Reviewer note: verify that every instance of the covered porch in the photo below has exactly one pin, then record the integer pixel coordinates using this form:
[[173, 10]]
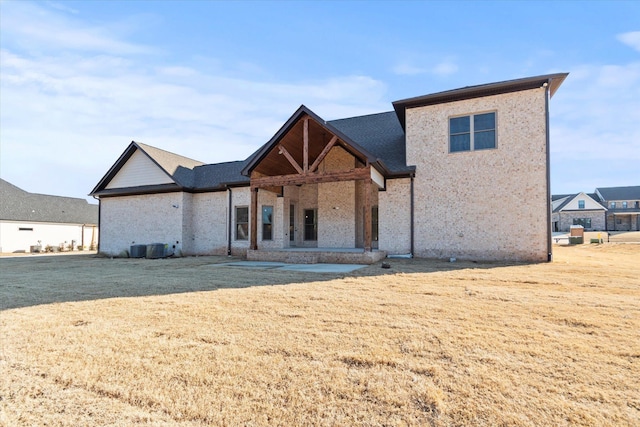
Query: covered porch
[[320, 190]]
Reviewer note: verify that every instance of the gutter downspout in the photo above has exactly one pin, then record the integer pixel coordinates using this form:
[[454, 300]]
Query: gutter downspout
[[230, 221], [412, 216], [99, 218], [546, 109]]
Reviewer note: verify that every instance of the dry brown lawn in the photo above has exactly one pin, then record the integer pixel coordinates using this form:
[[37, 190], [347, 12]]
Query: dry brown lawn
[[98, 342]]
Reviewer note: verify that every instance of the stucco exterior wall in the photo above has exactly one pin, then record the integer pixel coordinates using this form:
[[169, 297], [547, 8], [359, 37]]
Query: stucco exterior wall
[[12, 239], [143, 219], [486, 204], [394, 216]]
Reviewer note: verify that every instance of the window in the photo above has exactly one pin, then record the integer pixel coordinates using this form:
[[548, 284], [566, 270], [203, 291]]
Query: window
[[473, 132], [585, 222], [310, 224], [242, 223], [580, 204], [624, 205], [613, 205], [267, 225], [374, 223]]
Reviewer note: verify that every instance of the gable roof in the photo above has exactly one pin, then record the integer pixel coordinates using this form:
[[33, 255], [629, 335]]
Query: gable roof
[[469, 92], [178, 168], [619, 193], [344, 140], [378, 139], [381, 135], [220, 175], [566, 199], [20, 205]]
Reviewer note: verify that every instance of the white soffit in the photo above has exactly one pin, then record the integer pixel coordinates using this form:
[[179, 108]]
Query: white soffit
[[377, 177]]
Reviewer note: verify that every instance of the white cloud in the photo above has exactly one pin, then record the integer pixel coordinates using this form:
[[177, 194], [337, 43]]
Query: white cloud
[[405, 69], [595, 138], [631, 39], [38, 28], [445, 67], [61, 102]]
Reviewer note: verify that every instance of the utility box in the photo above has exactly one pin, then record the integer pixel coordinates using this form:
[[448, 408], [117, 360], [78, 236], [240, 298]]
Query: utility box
[[577, 231], [576, 237]]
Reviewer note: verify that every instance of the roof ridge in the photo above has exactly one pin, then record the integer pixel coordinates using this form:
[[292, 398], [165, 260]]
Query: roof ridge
[[362, 116]]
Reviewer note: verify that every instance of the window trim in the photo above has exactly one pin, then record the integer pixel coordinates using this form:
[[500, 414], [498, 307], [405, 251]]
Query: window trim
[[237, 223], [314, 224], [472, 132], [270, 237]]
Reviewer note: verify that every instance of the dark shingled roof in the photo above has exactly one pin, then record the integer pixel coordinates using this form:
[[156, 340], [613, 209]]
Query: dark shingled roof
[[20, 205], [380, 138], [219, 175], [381, 135], [620, 193]]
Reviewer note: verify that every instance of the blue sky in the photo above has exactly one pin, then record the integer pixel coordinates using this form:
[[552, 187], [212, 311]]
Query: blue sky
[[215, 80]]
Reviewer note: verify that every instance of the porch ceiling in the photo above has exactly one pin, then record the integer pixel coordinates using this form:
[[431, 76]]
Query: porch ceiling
[[276, 163]]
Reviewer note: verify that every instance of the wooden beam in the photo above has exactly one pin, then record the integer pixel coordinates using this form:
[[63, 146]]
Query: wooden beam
[[311, 178], [324, 153], [305, 145], [290, 158], [253, 219], [278, 190], [367, 214]]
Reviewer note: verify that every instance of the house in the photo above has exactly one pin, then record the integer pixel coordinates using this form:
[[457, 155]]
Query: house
[[577, 209], [37, 221], [623, 207], [425, 179]]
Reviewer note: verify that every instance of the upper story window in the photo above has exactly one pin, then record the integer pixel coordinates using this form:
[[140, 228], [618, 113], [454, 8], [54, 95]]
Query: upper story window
[[580, 204], [612, 205], [472, 132], [624, 205]]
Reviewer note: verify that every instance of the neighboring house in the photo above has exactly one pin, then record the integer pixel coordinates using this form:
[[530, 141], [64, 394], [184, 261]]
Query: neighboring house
[[426, 179], [577, 209], [623, 207], [29, 220]]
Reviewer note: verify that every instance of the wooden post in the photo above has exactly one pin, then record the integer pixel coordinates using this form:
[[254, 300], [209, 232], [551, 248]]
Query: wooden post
[[253, 219], [367, 214], [305, 146]]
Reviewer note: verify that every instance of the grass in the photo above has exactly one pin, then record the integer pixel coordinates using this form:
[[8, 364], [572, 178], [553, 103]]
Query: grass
[[93, 341]]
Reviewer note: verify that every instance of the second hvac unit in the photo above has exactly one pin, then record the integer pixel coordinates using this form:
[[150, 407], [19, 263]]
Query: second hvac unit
[[157, 250]]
